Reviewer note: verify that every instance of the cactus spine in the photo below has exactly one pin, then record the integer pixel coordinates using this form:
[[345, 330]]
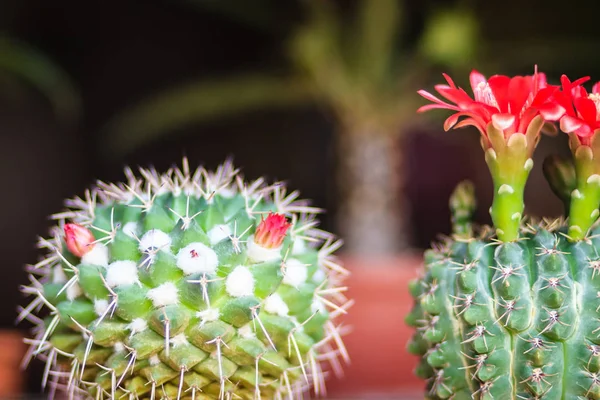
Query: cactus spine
[[188, 284], [512, 311]]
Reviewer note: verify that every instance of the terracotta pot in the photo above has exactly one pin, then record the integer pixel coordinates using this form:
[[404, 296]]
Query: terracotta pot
[[12, 350], [380, 365]]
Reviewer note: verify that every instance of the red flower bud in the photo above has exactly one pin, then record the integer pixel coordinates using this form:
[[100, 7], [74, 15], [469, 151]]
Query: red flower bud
[[271, 231], [79, 239]]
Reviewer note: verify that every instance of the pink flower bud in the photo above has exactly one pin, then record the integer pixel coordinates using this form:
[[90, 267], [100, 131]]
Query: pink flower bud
[[79, 239], [271, 231]]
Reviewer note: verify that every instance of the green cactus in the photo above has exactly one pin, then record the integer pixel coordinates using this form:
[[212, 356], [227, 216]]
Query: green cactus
[[187, 285], [512, 311]]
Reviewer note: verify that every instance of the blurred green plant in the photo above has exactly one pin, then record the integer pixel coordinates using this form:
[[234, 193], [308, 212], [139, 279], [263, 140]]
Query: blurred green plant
[[30, 65], [365, 71]]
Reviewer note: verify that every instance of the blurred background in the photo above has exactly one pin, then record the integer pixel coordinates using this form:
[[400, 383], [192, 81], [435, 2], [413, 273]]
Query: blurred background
[[320, 93]]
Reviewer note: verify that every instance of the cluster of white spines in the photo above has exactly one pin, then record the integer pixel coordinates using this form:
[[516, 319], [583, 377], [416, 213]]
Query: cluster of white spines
[[194, 258]]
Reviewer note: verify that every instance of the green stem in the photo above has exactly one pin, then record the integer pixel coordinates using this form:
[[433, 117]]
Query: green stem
[[509, 161], [509, 169], [507, 208], [585, 199]]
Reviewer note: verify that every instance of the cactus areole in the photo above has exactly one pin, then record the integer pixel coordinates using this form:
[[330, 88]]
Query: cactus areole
[[187, 284], [512, 311]]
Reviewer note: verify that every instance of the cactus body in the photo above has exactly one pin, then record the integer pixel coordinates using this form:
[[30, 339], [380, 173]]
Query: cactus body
[[187, 285], [516, 314], [516, 320]]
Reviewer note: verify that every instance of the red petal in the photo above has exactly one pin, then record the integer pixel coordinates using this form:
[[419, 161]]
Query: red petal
[[551, 111], [540, 80], [428, 107], [584, 131], [471, 122], [565, 82], [565, 101], [499, 85], [586, 108], [526, 118], [456, 96], [476, 78], [434, 99], [543, 94], [567, 85], [570, 124], [579, 91], [503, 121], [580, 81], [451, 121], [483, 110], [519, 90], [596, 88], [449, 80]]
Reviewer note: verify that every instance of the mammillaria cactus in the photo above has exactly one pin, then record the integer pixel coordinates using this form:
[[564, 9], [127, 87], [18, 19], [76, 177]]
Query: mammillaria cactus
[[187, 285], [513, 311]]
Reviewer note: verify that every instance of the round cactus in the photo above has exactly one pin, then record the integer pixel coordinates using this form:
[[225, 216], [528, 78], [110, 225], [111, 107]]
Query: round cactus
[[187, 285], [512, 311]]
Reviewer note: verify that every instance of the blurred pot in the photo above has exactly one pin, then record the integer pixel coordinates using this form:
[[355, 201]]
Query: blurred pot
[[11, 354], [380, 365]]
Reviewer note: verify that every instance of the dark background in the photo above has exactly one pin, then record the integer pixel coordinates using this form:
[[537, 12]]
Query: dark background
[[118, 52]]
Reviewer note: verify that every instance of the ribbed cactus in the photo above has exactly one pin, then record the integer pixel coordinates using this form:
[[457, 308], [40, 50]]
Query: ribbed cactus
[[187, 285], [513, 311]]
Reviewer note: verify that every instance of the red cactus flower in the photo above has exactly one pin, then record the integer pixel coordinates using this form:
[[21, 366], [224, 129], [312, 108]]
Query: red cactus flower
[[582, 115], [79, 239], [271, 231], [510, 104]]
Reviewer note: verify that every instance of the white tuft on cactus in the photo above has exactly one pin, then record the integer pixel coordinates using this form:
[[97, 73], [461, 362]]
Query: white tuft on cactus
[[100, 306], [155, 239], [131, 229], [137, 325], [197, 258], [240, 282], [164, 295], [274, 304], [218, 233], [98, 255], [122, 273], [208, 315], [296, 272]]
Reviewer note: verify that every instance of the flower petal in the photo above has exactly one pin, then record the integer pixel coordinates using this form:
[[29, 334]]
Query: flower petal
[[586, 108], [451, 121], [470, 122], [540, 81], [543, 95], [596, 88], [456, 96], [570, 124], [551, 111], [584, 131], [519, 90], [449, 80], [428, 107], [476, 79], [503, 121], [580, 81], [499, 85], [565, 82], [434, 99]]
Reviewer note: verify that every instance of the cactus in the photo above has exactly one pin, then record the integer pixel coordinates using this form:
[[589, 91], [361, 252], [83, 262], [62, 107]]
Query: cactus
[[513, 311], [187, 285]]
